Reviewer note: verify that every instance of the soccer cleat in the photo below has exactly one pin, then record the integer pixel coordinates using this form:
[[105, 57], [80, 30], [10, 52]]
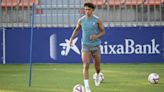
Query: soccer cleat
[[97, 80]]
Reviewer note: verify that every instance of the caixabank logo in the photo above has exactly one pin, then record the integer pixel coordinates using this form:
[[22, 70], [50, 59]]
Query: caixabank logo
[[129, 46], [66, 47], [124, 47], [53, 46]]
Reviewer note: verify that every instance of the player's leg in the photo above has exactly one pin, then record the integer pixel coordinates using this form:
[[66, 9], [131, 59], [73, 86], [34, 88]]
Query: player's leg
[[86, 59], [96, 55], [97, 60]]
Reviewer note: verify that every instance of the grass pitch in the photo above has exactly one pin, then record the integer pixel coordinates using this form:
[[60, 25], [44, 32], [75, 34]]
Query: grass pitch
[[62, 77]]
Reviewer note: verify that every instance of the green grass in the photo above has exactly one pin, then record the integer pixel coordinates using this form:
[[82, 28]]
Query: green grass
[[62, 77]]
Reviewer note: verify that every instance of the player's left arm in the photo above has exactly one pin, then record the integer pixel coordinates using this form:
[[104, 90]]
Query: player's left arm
[[101, 33], [101, 28]]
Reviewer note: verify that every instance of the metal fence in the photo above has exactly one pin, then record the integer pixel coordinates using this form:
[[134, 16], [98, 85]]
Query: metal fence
[[65, 13]]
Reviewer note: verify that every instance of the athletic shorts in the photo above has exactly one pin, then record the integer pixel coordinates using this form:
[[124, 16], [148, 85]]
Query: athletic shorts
[[92, 49]]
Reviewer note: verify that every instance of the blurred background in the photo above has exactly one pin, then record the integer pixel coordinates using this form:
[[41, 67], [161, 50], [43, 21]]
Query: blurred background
[[65, 13]]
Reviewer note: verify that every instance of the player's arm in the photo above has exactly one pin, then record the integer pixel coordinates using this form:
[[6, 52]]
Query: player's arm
[[101, 27], [101, 33], [76, 31]]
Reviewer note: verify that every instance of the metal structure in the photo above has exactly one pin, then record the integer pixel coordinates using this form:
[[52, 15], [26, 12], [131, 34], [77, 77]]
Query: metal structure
[[65, 13]]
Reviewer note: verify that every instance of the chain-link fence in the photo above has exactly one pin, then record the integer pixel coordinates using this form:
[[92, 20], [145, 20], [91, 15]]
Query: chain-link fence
[[65, 13]]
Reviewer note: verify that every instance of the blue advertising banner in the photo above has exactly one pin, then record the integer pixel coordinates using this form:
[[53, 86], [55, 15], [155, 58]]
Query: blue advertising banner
[[119, 45]]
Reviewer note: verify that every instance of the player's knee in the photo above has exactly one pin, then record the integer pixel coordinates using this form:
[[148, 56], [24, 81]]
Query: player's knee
[[86, 66]]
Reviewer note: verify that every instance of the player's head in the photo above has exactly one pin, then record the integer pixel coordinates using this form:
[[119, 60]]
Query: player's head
[[89, 5], [89, 8]]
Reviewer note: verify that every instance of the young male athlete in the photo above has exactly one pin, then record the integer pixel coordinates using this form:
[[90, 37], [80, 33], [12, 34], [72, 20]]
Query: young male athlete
[[92, 31]]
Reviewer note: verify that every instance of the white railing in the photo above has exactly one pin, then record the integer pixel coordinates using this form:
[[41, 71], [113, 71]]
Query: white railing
[[65, 13]]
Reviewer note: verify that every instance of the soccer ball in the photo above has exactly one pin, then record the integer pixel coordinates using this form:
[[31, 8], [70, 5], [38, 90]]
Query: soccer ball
[[78, 88], [153, 78], [101, 76]]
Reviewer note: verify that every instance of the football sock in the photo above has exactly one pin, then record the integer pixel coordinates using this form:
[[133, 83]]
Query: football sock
[[86, 83]]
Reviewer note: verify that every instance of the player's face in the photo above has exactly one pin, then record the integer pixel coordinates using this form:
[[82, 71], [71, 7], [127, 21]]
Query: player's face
[[88, 11]]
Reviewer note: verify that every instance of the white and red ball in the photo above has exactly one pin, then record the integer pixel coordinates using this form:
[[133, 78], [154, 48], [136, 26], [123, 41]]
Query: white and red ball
[[153, 78], [78, 88]]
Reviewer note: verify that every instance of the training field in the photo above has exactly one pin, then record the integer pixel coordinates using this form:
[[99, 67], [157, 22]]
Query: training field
[[62, 77]]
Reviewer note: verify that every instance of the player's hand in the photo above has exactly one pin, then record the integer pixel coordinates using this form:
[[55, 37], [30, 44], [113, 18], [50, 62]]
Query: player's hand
[[93, 37]]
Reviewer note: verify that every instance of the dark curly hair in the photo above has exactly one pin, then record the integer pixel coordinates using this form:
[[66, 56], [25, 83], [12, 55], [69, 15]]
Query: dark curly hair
[[90, 5]]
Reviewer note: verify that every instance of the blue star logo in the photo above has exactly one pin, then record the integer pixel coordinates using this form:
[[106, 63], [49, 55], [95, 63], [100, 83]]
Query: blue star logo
[[66, 47]]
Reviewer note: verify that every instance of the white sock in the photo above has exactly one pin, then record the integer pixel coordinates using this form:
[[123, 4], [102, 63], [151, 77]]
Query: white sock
[[86, 83]]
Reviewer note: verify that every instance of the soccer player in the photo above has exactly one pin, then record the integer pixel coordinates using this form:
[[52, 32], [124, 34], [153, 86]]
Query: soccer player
[[92, 31]]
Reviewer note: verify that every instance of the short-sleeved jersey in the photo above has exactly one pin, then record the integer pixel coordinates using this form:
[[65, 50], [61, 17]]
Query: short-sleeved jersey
[[89, 27]]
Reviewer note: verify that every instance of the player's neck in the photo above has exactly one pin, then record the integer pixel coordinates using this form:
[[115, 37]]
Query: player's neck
[[89, 16]]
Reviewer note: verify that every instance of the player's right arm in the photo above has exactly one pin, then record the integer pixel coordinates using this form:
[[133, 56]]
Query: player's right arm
[[76, 31]]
